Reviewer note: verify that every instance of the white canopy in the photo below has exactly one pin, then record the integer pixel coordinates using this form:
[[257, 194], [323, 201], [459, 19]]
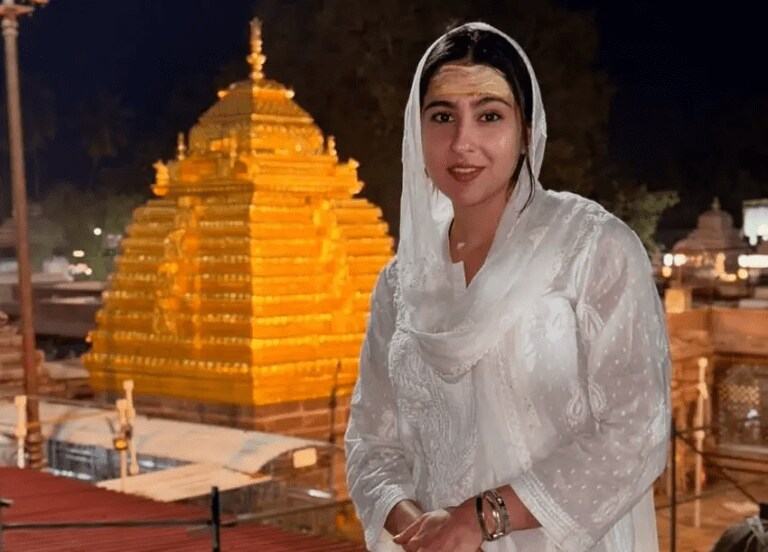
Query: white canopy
[[235, 449]]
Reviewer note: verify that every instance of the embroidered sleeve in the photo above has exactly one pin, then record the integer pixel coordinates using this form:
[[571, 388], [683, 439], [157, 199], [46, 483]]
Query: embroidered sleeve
[[584, 487], [378, 473]]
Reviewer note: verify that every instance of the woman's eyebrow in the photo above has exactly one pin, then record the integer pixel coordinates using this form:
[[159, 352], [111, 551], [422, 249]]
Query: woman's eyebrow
[[439, 103], [490, 99], [480, 102]]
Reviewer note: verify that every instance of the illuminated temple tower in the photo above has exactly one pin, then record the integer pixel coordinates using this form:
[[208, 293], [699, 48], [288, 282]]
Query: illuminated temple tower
[[247, 280]]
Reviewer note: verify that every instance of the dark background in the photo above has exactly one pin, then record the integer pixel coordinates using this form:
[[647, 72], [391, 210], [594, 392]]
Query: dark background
[[689, 113]]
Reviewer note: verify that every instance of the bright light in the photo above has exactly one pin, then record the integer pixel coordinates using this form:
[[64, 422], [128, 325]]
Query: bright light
[[80, 268], [755, 221], [743, 273], [97, 231], [78, 253], [669, 259], [679, 259], [666, 271], [753, 261], [728, 277]]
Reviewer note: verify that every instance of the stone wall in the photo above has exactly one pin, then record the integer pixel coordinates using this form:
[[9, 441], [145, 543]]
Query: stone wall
[[726, 337], [731, 330], [740, 331], [12, 365]]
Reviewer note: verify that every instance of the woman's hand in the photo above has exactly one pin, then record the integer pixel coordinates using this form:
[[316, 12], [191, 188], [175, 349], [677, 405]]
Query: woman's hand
[[449, 530]]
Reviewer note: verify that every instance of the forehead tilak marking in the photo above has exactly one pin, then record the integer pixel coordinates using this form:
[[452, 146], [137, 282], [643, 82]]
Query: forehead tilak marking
[[469, 80]]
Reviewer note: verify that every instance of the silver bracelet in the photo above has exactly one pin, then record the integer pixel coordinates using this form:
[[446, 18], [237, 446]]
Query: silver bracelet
[[499, 513], [481, 517]]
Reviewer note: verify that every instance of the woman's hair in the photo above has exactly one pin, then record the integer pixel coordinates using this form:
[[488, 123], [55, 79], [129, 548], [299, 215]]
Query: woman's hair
[[483, 47]]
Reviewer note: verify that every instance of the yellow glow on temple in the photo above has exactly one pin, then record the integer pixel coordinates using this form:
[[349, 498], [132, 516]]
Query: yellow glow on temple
[[247, 280]]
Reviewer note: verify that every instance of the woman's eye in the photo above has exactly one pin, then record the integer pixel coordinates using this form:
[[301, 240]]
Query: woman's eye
[[490, 117], [442, 117]]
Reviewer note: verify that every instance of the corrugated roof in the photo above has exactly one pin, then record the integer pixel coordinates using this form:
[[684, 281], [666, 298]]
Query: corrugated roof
[[42, 497], [188, 481], [240, 450]]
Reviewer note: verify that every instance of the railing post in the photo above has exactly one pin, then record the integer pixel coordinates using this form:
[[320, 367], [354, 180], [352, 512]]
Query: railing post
[[673, 498], [215, 520]]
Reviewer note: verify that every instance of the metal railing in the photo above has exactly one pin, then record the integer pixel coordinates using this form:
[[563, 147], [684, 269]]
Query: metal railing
[[291, 518], [708, 459], [214, 523]]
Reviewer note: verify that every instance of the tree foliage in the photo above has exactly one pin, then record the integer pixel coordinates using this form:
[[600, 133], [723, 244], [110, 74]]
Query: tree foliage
[[103, 125], [39, 128], [351, 64], [46, 237], [641, 209], [77, 213]]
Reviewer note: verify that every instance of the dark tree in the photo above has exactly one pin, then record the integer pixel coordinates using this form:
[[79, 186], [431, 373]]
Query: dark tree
[[39, 126], [351, 64], [103, 125]]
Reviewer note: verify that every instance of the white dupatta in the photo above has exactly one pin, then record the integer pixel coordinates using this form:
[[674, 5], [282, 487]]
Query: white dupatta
[[453, 333]]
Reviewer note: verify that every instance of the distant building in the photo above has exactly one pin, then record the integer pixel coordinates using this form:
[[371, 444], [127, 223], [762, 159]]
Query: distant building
[[756, 221], [715, 233], [708, 257]]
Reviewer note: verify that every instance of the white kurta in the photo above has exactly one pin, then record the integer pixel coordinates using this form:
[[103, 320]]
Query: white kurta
[[570, 407]]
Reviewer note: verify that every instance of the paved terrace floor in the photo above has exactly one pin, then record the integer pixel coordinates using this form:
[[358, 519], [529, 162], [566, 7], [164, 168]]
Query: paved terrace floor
[[719, 511]]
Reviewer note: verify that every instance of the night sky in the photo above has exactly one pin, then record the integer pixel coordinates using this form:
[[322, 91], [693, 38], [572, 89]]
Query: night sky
[[677, 66]]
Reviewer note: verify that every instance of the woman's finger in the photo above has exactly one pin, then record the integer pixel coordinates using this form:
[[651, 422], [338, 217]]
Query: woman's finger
[[415, 544], [409, 532]]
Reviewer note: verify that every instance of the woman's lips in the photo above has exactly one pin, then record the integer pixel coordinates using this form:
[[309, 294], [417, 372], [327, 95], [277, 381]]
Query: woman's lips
[[465, 173]]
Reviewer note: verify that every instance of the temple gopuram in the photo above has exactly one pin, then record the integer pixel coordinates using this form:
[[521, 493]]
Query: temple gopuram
[[245, 283]]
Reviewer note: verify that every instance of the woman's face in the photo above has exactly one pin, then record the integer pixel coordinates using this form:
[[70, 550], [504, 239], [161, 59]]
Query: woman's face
[[471, 133]]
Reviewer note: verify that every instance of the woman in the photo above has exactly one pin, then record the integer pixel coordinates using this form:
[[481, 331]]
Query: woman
[[513, 387]]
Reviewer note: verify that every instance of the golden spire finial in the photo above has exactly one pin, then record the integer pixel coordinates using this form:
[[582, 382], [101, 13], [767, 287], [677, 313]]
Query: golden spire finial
[[181, 147], [256, 57]]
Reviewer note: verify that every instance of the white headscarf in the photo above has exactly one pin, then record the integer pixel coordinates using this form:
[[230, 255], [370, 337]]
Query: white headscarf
[[454, 332]]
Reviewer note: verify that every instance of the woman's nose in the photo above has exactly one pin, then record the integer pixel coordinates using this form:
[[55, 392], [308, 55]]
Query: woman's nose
[[464, 138]]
